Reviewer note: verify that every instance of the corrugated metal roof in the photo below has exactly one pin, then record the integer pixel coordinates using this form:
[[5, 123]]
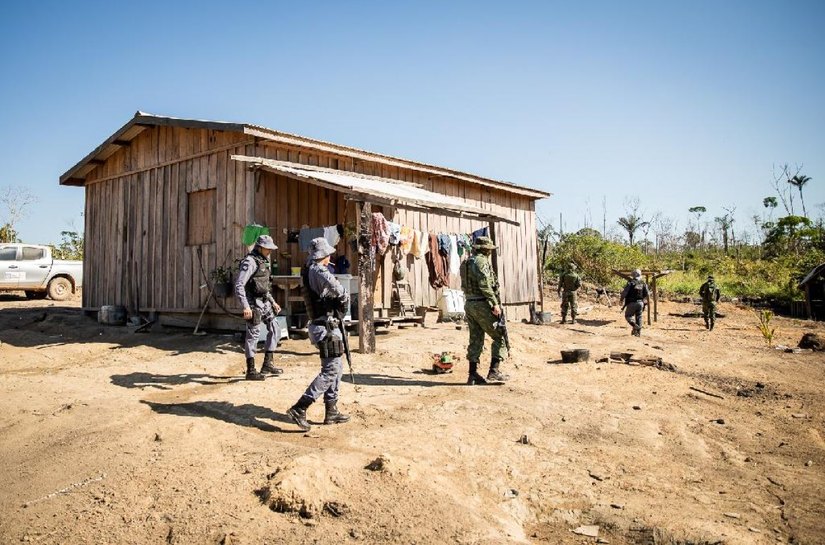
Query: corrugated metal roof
[[77, 174], [377, 190]]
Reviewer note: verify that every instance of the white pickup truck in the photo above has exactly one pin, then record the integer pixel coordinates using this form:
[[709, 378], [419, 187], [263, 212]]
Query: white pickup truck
[[30, 268]]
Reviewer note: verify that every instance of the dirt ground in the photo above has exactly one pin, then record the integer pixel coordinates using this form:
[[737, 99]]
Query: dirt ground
[[111, 436]]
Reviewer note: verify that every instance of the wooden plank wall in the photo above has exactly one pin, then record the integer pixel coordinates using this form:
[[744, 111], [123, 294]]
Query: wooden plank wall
[[136, 219]]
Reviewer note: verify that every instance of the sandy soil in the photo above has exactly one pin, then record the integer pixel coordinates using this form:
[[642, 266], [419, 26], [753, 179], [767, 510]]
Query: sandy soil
[[111, 436]]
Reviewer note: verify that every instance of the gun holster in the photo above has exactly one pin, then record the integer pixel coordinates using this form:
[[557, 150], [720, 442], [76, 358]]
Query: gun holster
[[257, 316]]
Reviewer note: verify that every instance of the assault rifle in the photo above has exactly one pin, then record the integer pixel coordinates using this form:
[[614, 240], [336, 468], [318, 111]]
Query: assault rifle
[[345, 339]]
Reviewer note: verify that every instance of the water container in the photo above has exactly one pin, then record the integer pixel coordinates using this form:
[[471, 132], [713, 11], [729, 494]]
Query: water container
[[451, 305]]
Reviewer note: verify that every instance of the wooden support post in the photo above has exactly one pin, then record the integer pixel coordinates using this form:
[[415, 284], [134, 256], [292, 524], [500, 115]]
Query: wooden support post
[[655, 301], [647, 281], [366, 322]]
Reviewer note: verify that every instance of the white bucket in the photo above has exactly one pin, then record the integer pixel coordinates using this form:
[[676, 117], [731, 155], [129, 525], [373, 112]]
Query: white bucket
[[451, 304]]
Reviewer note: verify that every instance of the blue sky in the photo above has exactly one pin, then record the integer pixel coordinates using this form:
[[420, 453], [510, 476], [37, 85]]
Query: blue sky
[[680, 104]]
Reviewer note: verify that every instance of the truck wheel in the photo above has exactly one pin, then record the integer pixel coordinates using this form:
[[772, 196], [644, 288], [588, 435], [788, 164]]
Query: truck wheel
[[60, 289], [35, 295]]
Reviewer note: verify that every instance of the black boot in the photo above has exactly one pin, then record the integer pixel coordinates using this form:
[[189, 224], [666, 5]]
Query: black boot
[[333, 415], [251, 373], [564, 319], [269, 367], [474, 378], [707, 324], [572, 318], [710, 327], [298, 412], [494, 376]]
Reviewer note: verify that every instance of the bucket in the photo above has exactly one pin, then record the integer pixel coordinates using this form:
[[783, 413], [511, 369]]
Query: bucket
[[546, 317], [575, 355], [112, 315]]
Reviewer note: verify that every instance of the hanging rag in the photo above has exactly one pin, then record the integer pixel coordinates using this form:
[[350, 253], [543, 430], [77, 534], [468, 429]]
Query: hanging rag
[[444, 243], [332, 235], [483, 232], [417, 245], [437, 264], [306, 235], [405, 241], [464, 245], [455, 260], [395, 232], [380, 233]]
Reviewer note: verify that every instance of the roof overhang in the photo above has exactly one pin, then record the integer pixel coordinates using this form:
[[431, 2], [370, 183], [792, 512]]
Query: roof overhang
[[141, 121], [374, 189]]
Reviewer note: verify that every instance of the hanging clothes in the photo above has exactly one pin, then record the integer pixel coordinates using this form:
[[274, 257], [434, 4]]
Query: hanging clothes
[[437, 264], [455, 260], [465, 246], [380, 233], [444, 243]]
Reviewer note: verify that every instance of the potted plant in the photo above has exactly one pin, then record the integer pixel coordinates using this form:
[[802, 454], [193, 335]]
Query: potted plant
[[222, 277]]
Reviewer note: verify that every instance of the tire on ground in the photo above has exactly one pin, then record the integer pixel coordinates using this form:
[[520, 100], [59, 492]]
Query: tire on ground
[[60, 288]]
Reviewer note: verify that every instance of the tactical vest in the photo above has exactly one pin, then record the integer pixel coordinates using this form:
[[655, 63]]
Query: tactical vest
[[709, 293], [317, 306], [570, 282], [258, 286], [474, 268], [636, 291]]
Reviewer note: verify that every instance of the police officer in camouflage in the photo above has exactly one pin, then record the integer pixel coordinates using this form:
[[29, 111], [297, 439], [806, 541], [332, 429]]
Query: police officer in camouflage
[[482, 309], [569, 283], [326, 301], [710, 296], [253, 290]]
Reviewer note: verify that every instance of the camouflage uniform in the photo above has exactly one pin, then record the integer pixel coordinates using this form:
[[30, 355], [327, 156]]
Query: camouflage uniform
[[478, 280], [569, 283], [710, 296]]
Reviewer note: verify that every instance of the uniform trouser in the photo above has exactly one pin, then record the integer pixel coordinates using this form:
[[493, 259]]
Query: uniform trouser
[[709, 310], [480, 321], [262, 316], [569, 300], [633, 314], [329, 379]]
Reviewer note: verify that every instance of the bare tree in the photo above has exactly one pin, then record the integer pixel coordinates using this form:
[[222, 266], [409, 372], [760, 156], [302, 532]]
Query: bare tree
[[781, 181], [726, 225], [16, 201]]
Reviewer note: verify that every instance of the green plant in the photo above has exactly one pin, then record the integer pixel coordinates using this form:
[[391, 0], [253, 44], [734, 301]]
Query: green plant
[[765, 328], [221, 275]]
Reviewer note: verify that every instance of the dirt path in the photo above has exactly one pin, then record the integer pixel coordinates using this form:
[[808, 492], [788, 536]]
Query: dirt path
[[108, 436]]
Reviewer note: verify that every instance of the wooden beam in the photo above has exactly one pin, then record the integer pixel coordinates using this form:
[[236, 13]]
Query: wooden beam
[[122, 143], [366, 323]]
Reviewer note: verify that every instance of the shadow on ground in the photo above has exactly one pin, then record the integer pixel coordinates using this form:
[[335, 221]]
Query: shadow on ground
[[165, 382], [247, 415]]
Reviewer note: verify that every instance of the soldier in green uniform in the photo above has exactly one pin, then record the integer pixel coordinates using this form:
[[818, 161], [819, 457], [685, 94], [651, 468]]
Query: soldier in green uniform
[[710, 296], [569, 283], [482, 309]]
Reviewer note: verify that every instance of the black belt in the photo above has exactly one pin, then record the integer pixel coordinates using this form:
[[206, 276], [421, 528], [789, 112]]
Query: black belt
[[476, 299]]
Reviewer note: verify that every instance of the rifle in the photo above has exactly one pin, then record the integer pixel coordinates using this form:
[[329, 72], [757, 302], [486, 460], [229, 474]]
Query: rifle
[[502, 323], [345, 339]]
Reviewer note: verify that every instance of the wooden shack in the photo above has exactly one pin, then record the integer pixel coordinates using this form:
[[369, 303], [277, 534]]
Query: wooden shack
[[167, 200], [814, 287]]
